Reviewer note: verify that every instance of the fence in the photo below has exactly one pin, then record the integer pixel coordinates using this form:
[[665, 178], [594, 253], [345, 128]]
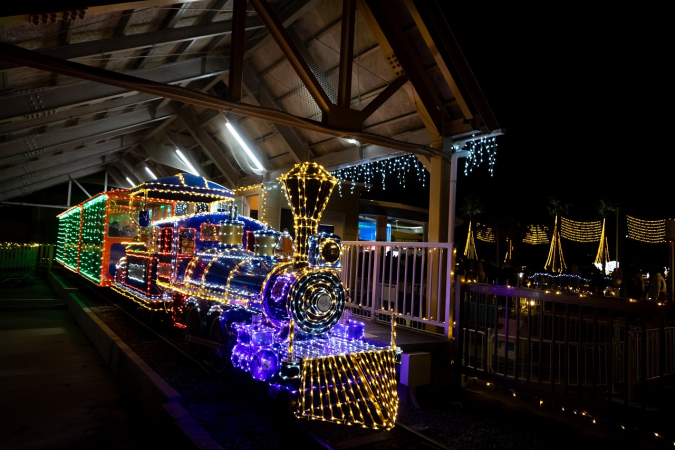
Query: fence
[[591, 349], [25, 256], [410, 280]]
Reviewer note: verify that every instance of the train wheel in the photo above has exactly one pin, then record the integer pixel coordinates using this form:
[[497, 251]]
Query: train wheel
[[220, 357], [193, 328]]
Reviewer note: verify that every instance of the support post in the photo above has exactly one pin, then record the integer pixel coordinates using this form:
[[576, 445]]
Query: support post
[[454, 159], [346, 53], [70, 190], [105, 182], [374, 282], [381, 228]]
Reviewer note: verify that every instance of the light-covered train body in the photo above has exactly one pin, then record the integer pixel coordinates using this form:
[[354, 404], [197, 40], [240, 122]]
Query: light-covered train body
[[254, 300]]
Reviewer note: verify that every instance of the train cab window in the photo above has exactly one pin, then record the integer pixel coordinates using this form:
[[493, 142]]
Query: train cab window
[[187, 240], [209, 232], [165, 241]]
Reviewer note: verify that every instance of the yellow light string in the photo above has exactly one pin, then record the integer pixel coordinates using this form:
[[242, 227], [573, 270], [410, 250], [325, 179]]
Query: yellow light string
[[555, 260], [470, 248], [536, 235], [647, 231], [576, 231], [603, 249], [485, 234]]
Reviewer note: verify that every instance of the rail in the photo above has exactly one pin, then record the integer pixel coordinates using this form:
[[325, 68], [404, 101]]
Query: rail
[[25, 256], [589, 349], [410, 281]]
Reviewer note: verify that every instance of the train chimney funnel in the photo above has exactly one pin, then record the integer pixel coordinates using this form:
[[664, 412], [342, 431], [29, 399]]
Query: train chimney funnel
[[307, 188]]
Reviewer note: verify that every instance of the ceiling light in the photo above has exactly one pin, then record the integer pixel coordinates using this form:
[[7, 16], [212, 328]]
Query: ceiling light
[[187, 163], [244, 146], [152, 175], [352, 141], [130, 182]]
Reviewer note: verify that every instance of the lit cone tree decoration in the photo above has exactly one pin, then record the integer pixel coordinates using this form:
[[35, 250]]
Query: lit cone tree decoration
[[471, 207], [307, 188], [556, 261], [604, 208]]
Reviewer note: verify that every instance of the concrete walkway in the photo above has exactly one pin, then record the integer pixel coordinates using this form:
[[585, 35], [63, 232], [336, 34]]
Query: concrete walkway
[[55, 390]]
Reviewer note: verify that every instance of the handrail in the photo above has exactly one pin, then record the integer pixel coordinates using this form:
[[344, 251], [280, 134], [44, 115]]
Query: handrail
[[576, 299]]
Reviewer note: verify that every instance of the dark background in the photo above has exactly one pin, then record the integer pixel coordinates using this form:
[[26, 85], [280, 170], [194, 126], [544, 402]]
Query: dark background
[[582, 94]]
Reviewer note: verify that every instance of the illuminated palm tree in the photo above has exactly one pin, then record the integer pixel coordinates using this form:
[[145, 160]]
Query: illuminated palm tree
[[604, 208], [555, 260], [471, 207]]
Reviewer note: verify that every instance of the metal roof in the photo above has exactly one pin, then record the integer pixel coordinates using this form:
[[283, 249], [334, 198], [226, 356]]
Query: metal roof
[[110, 86]]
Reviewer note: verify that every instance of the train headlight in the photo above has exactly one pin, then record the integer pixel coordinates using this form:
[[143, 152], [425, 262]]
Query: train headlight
[[325, 250]]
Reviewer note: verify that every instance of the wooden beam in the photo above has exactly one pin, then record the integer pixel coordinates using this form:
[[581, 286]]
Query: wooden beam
[[392, 28], [383, 96], [29, 58], [291, 52], [237, 49], [346, 52]]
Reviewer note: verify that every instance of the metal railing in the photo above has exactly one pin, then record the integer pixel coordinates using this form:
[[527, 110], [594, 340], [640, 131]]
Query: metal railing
[[408, 280], [590, 349], [25, 256]]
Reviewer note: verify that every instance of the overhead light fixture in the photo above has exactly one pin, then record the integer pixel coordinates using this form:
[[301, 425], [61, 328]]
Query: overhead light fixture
[[187, 163], [244, 146], [352, 141], [130, 182], [152, 175]]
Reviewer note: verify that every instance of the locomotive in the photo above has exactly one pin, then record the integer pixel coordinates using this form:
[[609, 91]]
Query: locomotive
[[241, 291]]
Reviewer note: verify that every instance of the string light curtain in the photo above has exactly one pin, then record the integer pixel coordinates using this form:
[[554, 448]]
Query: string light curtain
[[555, 260], [536, 235], [385, 169], [647, 231], [480, 150], [485, 233], [576, 231]]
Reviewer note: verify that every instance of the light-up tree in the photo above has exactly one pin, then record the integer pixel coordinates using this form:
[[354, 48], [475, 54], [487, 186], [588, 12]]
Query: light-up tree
[[555, 260], [471, 207], [604, 208]]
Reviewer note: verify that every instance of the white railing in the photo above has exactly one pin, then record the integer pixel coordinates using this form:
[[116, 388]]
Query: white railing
[[25, 256], [409, 279]]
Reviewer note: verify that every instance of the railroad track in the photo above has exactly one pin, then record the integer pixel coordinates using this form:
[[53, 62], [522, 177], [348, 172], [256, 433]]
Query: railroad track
[[401, 436]]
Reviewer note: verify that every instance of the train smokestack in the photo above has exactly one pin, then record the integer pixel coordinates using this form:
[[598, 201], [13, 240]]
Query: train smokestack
[[307, 188]]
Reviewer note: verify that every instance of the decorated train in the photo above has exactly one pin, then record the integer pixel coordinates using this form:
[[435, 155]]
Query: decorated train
[[252, 298]]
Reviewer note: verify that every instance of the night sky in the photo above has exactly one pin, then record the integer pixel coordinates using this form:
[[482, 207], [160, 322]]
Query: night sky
[[581, 95]]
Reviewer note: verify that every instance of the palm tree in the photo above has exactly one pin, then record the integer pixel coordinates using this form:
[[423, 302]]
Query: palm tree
[[555, 260]]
